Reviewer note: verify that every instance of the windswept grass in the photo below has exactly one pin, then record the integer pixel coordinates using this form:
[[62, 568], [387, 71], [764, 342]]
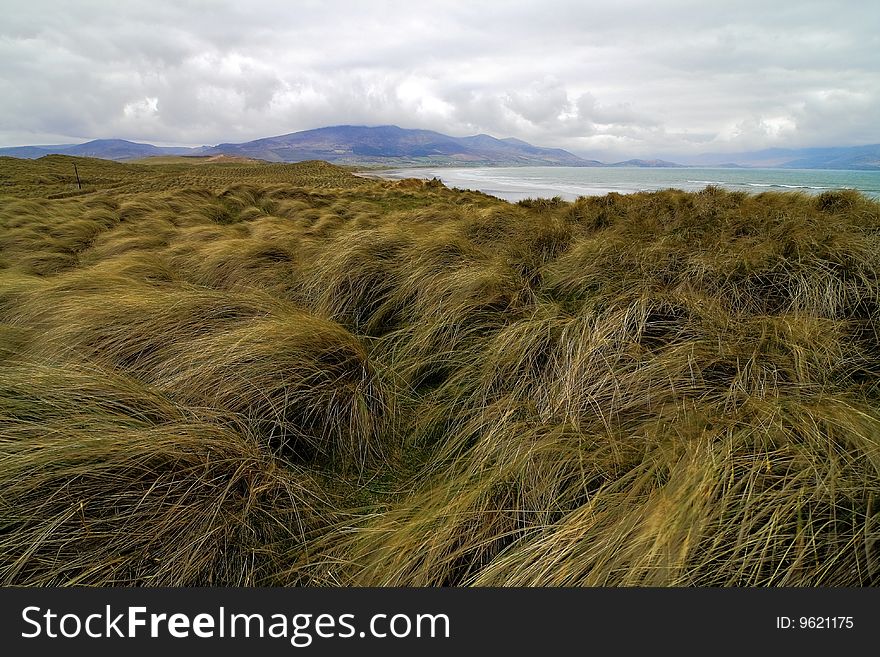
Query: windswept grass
[[251, 374]]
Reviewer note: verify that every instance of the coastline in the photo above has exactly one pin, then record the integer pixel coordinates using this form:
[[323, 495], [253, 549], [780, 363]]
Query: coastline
[[518, 183]]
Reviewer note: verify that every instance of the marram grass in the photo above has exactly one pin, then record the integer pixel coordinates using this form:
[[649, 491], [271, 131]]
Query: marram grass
[[244, 374]]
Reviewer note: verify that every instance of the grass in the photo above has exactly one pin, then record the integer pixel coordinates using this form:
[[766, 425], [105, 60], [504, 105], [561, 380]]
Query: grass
[[239, 374]]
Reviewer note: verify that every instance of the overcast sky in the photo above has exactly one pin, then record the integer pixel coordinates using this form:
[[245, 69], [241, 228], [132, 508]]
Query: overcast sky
[[604, 79]]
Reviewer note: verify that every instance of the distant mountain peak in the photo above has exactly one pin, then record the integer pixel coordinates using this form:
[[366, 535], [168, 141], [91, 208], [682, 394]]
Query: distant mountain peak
[[391, 145]]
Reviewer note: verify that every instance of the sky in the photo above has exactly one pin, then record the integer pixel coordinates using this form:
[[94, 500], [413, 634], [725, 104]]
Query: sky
[[628, 78]]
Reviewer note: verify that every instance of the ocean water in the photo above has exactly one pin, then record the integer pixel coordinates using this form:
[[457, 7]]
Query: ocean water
[[516, 183]]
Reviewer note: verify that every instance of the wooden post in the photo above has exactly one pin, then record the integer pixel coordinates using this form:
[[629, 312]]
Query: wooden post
[[78, 183]]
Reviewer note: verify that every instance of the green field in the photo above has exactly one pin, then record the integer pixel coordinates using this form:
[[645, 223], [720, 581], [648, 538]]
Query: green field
[[263, 374]]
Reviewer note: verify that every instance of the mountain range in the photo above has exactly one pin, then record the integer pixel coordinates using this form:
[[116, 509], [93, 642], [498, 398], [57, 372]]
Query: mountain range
[[105, 149], [398, 147], [841, 157], [390, 144], [345, 144]]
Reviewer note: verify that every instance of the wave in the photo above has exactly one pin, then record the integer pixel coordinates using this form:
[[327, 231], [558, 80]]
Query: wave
[[784, 186], [758, 184]]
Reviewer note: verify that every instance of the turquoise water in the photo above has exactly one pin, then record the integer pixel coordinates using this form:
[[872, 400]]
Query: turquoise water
[[516, 183]]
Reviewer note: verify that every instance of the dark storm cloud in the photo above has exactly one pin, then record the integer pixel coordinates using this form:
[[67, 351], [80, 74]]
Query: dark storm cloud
[[628, 78]]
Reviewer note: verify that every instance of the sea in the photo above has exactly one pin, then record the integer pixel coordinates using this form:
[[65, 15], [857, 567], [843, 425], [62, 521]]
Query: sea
[[517, 183]]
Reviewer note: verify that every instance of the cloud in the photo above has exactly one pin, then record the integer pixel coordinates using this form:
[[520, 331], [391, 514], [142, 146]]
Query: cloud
[[629, 78], [540, 103]]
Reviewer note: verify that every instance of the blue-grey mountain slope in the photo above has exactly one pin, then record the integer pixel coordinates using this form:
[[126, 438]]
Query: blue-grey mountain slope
[[105, 149], [394, 146], [844, 157]]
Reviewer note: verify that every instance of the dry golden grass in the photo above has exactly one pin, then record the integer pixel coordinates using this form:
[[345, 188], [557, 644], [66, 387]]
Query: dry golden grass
[[262, 374]]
